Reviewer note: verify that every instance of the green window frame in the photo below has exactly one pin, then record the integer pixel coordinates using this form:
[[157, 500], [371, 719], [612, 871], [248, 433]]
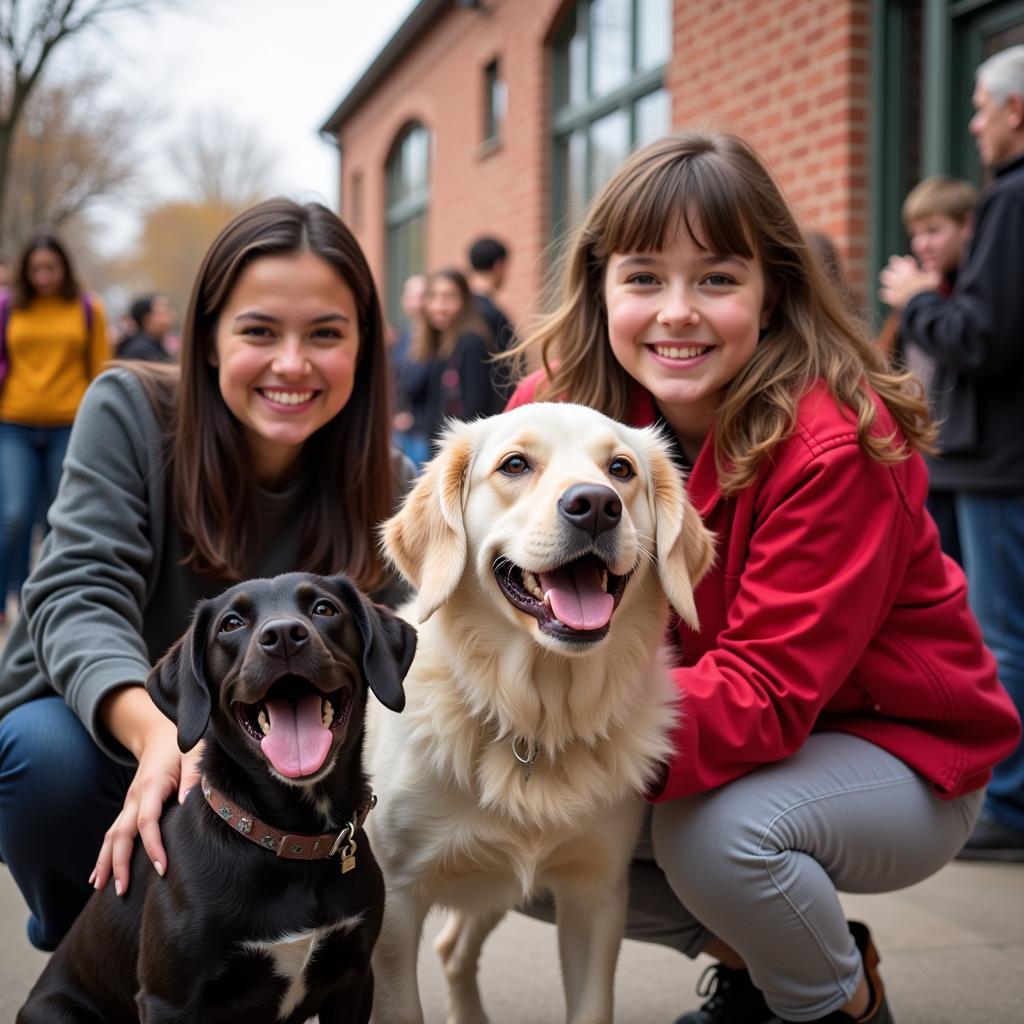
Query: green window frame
[[407, 177], [924, 55], [608, 95]]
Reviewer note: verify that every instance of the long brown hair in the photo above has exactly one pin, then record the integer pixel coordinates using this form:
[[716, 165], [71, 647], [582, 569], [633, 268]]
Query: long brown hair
[[719, 182], [346, 464], [430, 343]]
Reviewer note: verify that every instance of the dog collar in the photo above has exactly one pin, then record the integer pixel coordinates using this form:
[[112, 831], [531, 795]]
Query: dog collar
[[288, 845]]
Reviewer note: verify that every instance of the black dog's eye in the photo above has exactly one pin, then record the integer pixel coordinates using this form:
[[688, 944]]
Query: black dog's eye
[[622, 469], [323, 607], [231, 622], [514, 465]]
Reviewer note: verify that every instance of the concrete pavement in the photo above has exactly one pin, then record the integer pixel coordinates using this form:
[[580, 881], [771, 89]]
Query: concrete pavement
[[952, 953]]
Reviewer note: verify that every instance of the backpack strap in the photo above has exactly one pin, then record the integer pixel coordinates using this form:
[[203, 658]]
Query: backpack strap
[[87, 310], [5, 312]]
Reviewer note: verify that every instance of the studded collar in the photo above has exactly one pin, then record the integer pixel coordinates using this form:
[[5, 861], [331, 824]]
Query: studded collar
[[287, 845]]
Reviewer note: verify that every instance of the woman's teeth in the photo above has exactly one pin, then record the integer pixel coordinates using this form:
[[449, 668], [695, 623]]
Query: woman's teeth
[[288, 397], [676, 352]]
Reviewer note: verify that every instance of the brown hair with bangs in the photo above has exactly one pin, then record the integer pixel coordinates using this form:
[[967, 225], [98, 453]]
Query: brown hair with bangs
[[716, 188], [345, 465]]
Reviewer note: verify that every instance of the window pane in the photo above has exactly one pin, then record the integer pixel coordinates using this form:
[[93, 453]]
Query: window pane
[[653, 117], [415, 160], [570, 65], [610, 45], [572, 162], [609, 144], [653, 33]]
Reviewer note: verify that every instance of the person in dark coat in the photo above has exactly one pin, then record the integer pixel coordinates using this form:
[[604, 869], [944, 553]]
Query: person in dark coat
[[488, 262], [447, 371], [153, 316], [976, 337]]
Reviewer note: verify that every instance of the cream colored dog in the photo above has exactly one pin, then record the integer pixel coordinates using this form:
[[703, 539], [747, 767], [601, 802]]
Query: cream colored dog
[[546, 545]]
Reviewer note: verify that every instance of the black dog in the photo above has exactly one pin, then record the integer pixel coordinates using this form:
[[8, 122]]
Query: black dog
[[272, 900]]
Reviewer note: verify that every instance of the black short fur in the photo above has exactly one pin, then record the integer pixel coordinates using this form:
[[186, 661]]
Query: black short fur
[[171, 949]]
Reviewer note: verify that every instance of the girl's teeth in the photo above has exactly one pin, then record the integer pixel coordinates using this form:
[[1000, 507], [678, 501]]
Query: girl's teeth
[[328, 710], [289, 397], [263, 722], [676, 352]]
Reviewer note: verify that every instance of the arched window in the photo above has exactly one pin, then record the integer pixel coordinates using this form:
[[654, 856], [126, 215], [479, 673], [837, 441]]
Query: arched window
[[609, 96], [408, 195]]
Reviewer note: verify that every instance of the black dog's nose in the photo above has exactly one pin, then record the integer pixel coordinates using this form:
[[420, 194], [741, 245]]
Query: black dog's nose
[[591, 507], [283, 637]]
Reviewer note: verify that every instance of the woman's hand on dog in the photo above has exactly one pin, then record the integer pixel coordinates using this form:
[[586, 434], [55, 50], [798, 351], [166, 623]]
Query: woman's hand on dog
[[134, 720]]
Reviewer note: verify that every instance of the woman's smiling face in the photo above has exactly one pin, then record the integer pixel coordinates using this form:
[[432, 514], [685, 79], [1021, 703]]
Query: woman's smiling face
[[286, 347]]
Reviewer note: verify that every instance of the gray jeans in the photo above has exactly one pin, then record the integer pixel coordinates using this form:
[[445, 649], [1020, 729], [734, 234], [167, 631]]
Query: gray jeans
[[759, 863]]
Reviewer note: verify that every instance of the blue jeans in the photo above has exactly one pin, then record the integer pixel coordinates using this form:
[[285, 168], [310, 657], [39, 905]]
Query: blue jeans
[[59, 793], [31, 459], [992, 539]]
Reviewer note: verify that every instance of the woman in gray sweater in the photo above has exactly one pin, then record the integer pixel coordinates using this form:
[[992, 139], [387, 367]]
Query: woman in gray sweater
[[268, 451]]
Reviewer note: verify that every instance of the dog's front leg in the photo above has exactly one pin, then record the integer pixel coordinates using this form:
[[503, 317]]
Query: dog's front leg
[[591, 922], [396, 997], [351, 1003], [155, 1009], [459, 945]]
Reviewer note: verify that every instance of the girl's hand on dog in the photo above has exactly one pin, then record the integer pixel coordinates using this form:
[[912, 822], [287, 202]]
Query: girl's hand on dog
[[133, 719]]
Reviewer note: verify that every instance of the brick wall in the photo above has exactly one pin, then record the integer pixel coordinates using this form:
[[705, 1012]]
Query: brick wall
[[790, 75]]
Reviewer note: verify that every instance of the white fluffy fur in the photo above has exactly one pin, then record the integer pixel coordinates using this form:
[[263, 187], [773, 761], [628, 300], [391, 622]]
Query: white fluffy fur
[[457, 824]]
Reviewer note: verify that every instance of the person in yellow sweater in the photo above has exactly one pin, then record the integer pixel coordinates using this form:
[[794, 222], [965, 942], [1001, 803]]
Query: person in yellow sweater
[[54, 340]]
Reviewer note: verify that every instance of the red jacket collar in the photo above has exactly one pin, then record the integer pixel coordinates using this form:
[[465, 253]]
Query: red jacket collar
[[702, 482]]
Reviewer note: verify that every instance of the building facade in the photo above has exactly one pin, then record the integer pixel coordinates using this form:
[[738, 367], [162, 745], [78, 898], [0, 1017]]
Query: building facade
[[503, 117]]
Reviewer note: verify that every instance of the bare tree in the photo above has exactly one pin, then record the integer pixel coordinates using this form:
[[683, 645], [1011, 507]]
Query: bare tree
[[222, 162], [30, 32], [71, 148]]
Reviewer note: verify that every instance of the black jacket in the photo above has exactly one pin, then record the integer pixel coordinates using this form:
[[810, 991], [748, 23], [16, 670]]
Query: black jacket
[[458, 386], [976, 337], [143, 346]]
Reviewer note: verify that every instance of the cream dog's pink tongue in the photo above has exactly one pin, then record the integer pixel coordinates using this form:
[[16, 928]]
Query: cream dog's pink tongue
[[298, 741], [577, 597]]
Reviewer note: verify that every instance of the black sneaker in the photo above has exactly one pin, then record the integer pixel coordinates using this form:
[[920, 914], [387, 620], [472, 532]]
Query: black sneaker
[[878, 1011], [734, 999], [991, 840]]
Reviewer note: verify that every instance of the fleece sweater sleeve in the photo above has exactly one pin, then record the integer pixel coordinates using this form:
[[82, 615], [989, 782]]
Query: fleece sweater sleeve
[[85, 599]]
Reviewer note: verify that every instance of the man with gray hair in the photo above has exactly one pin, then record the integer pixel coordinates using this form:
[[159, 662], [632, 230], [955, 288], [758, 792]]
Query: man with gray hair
[[976, 337]]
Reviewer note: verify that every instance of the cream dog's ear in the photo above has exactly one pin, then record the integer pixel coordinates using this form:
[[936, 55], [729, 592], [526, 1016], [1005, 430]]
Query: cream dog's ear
[[426, 538], [685, 547]]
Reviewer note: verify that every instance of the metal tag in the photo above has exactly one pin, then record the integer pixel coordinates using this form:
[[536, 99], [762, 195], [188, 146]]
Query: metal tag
[[348, 857]]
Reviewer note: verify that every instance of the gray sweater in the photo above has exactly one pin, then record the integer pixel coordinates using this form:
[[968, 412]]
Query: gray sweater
[[109, 594]]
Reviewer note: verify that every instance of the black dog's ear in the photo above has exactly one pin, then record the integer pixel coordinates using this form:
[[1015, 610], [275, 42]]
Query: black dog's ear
[[177, 682], [389, 644]]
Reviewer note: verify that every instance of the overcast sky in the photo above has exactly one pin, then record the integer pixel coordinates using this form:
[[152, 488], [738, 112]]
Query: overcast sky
[[281, 65]]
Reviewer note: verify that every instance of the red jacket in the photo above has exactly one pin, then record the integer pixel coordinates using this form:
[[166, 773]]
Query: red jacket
[[830, 607]]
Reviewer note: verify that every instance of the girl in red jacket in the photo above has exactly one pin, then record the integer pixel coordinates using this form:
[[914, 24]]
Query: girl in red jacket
[[841, 715]]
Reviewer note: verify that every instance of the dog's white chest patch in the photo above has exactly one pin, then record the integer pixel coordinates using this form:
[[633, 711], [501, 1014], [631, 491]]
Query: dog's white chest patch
[[291, 954]]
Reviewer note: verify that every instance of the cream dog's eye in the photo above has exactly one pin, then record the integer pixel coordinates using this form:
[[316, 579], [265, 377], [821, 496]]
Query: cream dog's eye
[[231, 622], [324, 608], [514, 465], [622, 469]]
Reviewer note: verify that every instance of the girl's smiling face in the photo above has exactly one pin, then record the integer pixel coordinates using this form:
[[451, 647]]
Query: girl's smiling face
[[683, 322], [286, 346]]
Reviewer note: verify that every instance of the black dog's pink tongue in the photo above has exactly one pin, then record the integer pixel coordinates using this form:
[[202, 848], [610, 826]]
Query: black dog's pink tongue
[[298, 741], [577, 597]]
